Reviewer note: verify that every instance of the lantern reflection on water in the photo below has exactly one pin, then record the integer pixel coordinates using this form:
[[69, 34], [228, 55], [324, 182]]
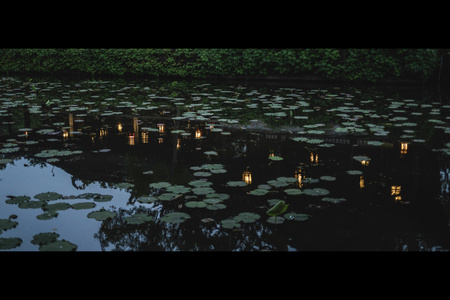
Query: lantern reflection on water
[[403, 148], [160, 127], [300, 177], [247, 176], [395, 191]]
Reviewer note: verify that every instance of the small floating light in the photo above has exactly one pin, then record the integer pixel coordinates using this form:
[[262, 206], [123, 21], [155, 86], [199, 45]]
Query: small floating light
[[160, 127], [198, 133], [403, 148], [247, 176]]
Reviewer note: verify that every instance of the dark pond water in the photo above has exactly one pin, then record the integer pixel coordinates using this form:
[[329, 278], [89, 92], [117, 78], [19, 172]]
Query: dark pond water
[[135, 165]]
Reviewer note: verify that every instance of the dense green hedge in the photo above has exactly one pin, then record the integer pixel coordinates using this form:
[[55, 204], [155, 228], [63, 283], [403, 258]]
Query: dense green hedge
[[333, 64]]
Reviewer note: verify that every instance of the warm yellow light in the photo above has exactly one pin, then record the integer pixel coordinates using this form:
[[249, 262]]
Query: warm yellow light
[[299, 176], [65, 134], [103, 132], [395, 190], [131, 139], [119, 127], [365, 162], [160, 140], [161, 127], [271, 153], [144, 136], [314, 158], [361, 182], [198, 133], [178, 144], [247, 176], [403, 148]]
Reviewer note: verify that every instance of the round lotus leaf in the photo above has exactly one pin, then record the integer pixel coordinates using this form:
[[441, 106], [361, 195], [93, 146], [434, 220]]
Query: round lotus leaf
[[277, 183], [264, 186], [56, 206], [18, 200], [9, 243], [147, 199], [296, 217], [32, 204], [272, 202], [221, 196], [203, 190], [258, 192], [193, 204], [361, 158], [236, 183], [83, 205], [275, 220], [202, 174], [333, 200], [328, 178], [167, 196], [316, 192], [287, 179], [6, 224], [138, 218], [124, 185], [62, 245], [44, 238], [293, 191], [180, 189], [212, 200], [175, 217], [49, 196], [47, 215], [275, 158], [101, 215], [247, 217], [4, 161], [354, 172], [102, 198], [230, 224], [158, 185], [216, 206], [200, 183], [210, 153], [218, 171]]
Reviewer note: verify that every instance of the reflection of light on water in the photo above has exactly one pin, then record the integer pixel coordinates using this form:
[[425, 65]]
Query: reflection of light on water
[[119, 127], [131, 139], [403, 148], [178, 144], [247, 176], [300, 177], [160, 128], [395, 191], [361, 181], [144, 137], [198, 133], [314, 157]]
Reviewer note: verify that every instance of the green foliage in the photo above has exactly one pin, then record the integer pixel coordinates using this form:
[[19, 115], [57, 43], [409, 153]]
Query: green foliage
[[333, 64]]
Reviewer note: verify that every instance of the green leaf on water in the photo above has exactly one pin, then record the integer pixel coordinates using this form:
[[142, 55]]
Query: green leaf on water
[[293, 191], [61, 245], [49, 196], [236, 183], [6, 224], [258, 192], [44, 238], [296, 217], [138, 218], [158, 185], [9, 243], [47, 215], [175, 217], [18, 200], [101, 215], [195, 204], [83, 205], [246, 217], [230, 224], [278, 208]]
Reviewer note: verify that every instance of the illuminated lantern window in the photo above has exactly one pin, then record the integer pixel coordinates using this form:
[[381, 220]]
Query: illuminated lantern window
[[160, 140], [247, 176], [198, 133], [131, 139], [314, 157], [395, 191], [365, 162], [403, 148], [361, 182], [161, 127], [119, 127], [65, 134], [144, 136], [271, 153]]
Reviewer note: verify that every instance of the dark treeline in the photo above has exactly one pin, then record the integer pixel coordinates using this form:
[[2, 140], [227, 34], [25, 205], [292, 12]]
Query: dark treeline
[[360, 65]]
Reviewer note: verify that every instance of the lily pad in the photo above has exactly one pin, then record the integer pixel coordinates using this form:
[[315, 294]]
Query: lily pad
[[57, 206], [61, 245], [18, 200], [102, 198], [10, 243], [293, 191], [48, 215], [6, 224], [158, 185], [276, 158], [327, 178], [203, 190], [202, 174], [259, 192], [146, 199], [361, 158], [247, 217], [101, 215], [138, 218], [296, 217], [216, 206], [354, 172], [200, 183], [333, 200], [49, 196], [175, 217], [83, 205], [195, 204], [230, 224], [44, 238], [32, 204], [316, 192], [236, 183], [277, 183], [168, 196], [179, 189]]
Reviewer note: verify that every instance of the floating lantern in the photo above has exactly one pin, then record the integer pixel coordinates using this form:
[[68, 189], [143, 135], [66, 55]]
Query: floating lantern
[[247, 176], [160, 127], [198, 133], [403, 148], [119, 127]]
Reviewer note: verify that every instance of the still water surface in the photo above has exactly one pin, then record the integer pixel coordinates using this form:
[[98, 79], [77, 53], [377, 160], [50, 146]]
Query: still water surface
[[361, 169]]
